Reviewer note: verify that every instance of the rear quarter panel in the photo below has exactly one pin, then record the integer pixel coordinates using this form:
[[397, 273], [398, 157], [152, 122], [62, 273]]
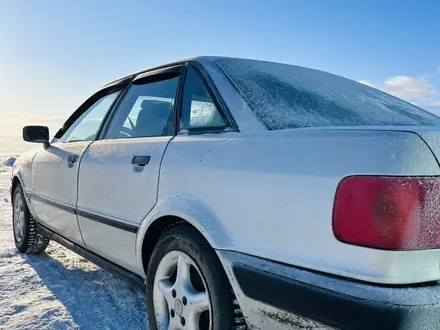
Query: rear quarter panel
[[270, 194]]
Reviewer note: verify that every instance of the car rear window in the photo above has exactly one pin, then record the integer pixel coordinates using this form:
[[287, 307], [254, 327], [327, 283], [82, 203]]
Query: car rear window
[[286, 96]]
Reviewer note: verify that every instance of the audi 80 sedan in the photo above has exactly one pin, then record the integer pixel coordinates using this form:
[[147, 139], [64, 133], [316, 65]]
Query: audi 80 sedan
[[245, 194]]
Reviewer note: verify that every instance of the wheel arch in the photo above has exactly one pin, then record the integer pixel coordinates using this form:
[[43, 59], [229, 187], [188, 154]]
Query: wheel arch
[[221, 278], [15, 182], [167, 214], [153, 234]]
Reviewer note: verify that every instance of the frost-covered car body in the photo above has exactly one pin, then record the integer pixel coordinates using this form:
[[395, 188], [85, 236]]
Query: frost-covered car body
[[259, 179]]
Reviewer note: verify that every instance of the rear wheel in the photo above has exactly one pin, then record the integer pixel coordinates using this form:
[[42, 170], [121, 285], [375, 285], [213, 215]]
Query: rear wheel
[[187, 287], [27, 237]]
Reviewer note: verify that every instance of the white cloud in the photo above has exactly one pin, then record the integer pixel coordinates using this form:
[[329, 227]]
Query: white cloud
[[411, 89], [408, 88], [419, 91]]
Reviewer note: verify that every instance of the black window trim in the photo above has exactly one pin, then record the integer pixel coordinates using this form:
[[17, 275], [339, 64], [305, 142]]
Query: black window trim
[[150, 75], [216, 97], [177, 103], [154, 68], [145, 77], [120, 85], [109, 116], [158, 75]]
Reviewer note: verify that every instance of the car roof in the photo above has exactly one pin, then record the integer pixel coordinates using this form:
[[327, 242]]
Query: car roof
[[168, 64]]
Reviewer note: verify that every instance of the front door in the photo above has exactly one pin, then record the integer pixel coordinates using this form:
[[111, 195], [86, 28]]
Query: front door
[[119, 175], [55, 171]]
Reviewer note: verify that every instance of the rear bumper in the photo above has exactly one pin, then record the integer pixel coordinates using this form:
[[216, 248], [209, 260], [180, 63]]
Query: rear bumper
[[338, 303]]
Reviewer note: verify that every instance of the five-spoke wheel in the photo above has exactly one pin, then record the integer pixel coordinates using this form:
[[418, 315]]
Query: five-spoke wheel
[[18, 216], [180, 296], [187, 287], [27, 237]]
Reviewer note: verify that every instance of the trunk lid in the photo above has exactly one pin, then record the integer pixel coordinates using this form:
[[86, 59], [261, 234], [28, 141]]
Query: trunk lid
[[429, 134]]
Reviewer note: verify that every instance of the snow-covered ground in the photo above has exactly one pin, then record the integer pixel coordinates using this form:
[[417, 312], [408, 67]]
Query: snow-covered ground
[[59, 289]]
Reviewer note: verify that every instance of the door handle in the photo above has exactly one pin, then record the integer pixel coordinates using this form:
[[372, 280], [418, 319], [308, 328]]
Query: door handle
[[141, 160], [71, 159]]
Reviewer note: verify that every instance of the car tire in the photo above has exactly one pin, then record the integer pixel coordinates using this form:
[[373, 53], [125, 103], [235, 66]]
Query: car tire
[[172, 299], [28, 239]]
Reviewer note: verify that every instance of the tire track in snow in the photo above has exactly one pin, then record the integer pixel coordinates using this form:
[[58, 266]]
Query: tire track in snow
[[59, 289]]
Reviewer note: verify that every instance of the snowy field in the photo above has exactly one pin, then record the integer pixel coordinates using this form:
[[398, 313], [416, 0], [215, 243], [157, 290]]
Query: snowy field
[[59, 289]]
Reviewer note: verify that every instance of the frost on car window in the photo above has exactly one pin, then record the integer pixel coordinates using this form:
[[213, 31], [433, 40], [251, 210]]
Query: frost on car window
[[204, 114], [287, 96]]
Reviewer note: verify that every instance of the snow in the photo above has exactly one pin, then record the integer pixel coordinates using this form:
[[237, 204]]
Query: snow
[[9, 162], [59, 289]]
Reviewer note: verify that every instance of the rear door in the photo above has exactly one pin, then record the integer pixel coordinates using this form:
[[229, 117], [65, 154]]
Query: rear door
[[55, 169], [119, 174]]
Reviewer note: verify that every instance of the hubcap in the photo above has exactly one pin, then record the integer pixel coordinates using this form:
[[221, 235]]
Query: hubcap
[[180, 296], [178, 307], [19, 217]]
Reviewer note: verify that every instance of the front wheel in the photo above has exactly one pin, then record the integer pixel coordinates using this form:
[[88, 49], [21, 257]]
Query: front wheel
[[27, 237], [187, 287]]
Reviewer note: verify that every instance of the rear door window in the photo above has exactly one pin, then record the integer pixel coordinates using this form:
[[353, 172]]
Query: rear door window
[[198, 110], [145, 111]]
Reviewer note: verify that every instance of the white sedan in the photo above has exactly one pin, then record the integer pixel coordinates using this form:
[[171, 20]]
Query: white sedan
[[245, 195]]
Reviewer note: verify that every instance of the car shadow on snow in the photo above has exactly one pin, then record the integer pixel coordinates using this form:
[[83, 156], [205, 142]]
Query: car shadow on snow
[[95, 298]]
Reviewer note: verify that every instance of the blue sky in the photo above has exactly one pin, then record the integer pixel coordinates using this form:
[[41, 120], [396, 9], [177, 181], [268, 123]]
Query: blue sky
[[54, 54]]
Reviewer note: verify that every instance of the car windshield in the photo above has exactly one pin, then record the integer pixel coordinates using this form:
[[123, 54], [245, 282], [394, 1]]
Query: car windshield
[[286, 96]]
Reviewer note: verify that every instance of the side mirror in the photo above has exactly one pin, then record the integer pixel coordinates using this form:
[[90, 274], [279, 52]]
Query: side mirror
[[37, 134]]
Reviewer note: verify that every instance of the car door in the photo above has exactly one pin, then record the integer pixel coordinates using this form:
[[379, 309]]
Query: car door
[[119, 174], [55, 168]]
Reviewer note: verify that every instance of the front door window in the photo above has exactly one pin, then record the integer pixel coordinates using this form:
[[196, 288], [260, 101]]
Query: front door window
[[86, 127]]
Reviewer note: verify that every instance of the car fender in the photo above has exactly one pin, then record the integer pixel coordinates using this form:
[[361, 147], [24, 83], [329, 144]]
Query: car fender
[[22, 168], [16, 175], [195, 212]]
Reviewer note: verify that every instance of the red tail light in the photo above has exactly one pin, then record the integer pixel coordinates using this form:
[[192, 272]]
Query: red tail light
[[392, 213]]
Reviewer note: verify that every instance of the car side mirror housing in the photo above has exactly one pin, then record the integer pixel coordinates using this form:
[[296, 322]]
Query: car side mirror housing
[[36, 134]]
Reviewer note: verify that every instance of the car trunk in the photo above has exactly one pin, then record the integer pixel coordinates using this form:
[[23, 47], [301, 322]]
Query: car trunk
[[432, 139], [429, 134]]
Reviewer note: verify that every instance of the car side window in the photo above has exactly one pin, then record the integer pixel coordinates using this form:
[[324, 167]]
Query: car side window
[[145, 111], [198, 109], [86, 127]]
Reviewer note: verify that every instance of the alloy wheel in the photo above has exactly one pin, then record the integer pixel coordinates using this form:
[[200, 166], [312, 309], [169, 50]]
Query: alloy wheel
[[180, 296], [19, 217]]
